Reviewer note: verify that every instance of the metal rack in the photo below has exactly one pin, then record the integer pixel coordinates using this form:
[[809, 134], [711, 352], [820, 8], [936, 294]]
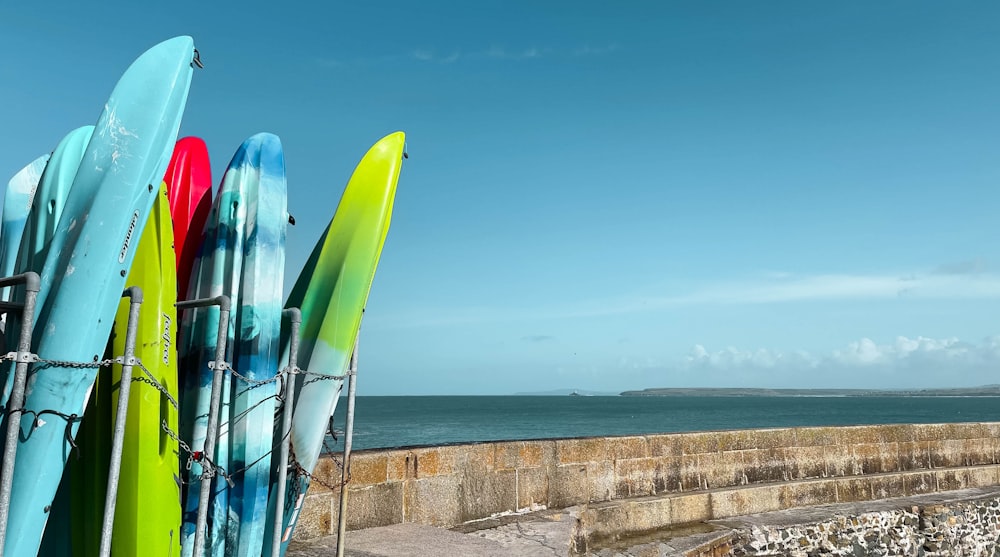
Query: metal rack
[[15, 408]]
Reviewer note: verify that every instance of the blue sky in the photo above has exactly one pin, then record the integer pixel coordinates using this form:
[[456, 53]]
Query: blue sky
[[603, 195]]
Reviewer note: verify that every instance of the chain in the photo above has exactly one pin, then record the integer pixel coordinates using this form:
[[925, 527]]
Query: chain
[[46, 363], [209, 468], [256, 382], [150, 380], [300, 471]]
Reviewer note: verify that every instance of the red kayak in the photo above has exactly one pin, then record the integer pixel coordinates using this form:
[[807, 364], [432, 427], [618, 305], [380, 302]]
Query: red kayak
[[189, 188]]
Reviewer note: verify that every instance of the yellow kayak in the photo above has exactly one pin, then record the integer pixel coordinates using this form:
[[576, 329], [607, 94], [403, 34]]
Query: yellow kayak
[[148, 511]]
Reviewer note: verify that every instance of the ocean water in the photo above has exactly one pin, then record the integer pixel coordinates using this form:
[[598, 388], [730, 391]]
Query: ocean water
[[402, 421]]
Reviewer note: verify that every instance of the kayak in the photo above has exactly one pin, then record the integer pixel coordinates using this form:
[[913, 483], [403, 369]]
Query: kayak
[[241, 256], [189, 187], [16, 205], [331, 291], [148, 511]]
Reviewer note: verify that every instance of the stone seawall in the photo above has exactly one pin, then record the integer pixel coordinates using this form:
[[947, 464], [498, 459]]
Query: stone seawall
[[966, 528], [702, 475]]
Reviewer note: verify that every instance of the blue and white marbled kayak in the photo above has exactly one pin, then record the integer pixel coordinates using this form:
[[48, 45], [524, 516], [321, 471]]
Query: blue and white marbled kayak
[[243, 257], [84, 273]]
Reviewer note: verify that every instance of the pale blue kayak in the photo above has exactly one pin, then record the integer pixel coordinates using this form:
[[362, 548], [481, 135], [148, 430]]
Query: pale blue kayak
[[85, 270], [243, 257], [16, 204], [40, 224], [50, 200]]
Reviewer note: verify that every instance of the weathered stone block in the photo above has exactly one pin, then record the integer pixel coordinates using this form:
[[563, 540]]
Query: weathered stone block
[[950, 480], [437, 461], [480, 457], [991, 430], [816, 436], [568, 486], [326, 472], [603, 524], [626, 447], [721, 469], [738, 440], [764, 465], [887, 486], [918, 483], [398, 466], [804, 494], [839, 462], [513, 455], [694, 507], [634, 477], [914, 455], [752, 500], [982, 476], [434, 500], [994, 443], [947, 452], [610, 522], [853, 489], [483, 495], [765, 439], [936, 432], [669, 444], [699, 442], [897, 433], [374, 505], [369, 468], [977, 451], [863, 434], [690, 474], [805, 462], [874, 458], [601, 480], [532, 487], [572, 451], [667, 475], [315, 517]]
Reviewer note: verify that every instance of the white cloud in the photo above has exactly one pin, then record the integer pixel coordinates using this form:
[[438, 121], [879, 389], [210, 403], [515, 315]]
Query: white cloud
[[423, 55], [495, 52], [920, 354], [732, 358]]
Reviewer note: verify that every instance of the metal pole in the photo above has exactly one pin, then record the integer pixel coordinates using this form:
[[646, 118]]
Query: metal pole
[[212, 431], [348, 436], [16, 403], [124, 387], [295, 316]]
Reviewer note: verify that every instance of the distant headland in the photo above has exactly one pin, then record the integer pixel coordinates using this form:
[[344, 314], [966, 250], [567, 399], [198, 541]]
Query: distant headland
[[985, 390]]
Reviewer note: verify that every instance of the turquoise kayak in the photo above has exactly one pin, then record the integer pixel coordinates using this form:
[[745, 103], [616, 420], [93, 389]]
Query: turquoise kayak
[[16, 205]]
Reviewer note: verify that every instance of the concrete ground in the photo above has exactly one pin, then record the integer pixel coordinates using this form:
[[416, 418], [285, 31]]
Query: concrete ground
[[549, 533]]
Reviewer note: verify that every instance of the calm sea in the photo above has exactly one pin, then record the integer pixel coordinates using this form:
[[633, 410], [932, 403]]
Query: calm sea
[[433, 420]]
